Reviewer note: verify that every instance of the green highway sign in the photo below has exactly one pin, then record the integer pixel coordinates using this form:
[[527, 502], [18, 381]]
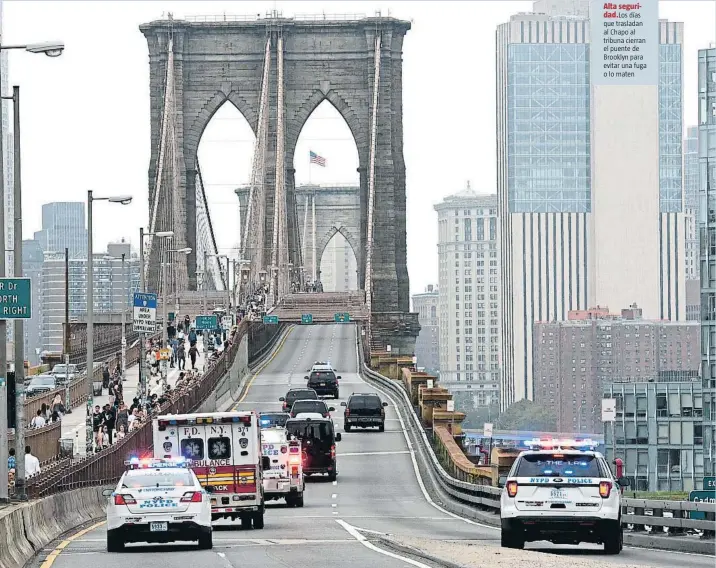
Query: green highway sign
[[307, 318], [708, 496], [206, 323], [171, 316], [15, 298], [341, 318], [271, 319], [710, 483]]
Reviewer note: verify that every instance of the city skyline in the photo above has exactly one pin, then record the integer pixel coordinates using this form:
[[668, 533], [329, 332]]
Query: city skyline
[[473, 155]]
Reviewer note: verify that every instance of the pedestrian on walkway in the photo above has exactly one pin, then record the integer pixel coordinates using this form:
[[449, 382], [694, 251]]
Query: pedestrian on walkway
[[97, 422], [109, 422], [193, 352], [192, 338], [39, 420], [32, 464], [105, 376], [181, 356]]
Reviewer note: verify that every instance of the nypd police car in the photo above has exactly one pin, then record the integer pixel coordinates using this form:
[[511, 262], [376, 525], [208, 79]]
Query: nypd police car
[[561, 491], [158, 500]]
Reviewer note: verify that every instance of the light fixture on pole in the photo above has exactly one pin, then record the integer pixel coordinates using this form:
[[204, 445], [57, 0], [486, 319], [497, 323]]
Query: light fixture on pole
[[123, 200], [52, 49], [142, 286]]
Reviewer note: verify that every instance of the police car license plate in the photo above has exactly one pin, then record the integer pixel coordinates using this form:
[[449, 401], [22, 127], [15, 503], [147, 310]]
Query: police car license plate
[[558, 494], [158, 527]]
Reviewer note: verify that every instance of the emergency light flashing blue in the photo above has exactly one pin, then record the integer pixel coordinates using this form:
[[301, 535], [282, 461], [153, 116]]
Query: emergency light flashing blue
[[555, 444]]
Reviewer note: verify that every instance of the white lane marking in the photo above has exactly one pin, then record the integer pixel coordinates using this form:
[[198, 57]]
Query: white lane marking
[[335, 512], [334, 505], [415, 462], [390, 453], [334, 496], [351, 530], [335, 483]]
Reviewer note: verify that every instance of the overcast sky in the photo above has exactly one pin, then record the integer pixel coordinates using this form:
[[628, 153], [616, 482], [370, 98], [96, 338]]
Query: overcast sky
[[85, 115]]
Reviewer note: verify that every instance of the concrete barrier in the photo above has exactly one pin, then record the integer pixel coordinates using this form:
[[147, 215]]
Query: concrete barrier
[[28, 528]]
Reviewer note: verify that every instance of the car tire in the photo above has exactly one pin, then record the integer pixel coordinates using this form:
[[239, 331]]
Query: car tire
[[510, 539], [335, 395], [614, 539], [258, 521], [206, 541], [347, 427], [246, 523], [332, 476], [381, 428], [299, 501], [115, 543]]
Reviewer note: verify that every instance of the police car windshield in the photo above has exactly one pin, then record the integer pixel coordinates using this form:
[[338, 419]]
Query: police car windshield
[[158, 479], [558, 465]]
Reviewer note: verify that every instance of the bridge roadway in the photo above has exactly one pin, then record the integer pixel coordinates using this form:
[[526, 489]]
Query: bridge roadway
[[377, 490]]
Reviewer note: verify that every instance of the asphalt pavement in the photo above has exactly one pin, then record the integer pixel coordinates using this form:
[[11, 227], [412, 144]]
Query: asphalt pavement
[[377, 491]]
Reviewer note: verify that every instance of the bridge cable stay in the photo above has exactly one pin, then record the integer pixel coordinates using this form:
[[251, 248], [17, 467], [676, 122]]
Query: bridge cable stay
[[252, 239], [281, 233], [158, 186], [211, 236], [304, 241], [371, 185]]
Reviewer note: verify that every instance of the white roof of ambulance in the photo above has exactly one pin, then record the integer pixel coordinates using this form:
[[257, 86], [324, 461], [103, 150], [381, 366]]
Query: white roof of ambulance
[[205, 415]]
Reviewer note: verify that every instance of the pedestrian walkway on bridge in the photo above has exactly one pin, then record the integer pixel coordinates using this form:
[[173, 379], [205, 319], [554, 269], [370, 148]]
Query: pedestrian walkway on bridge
[[73, 424]]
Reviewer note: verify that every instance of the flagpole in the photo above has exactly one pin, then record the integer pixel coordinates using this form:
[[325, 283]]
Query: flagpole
[[310, 163]]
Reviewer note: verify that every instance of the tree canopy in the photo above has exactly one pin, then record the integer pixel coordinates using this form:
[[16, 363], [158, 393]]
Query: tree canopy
[[527, 415]]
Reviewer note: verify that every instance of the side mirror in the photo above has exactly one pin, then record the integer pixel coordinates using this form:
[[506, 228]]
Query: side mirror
[[331, 409], [338, 437], [385, 404], [265, 462], [501, 481], [107, 492], [282, 399], [344, 404], [339, 377], [306, 377], [209, 489], [624, 482]]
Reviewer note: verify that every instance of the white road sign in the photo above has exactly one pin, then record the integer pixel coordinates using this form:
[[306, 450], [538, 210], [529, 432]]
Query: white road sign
[[145, 312], [609, 409], [451, 406], [487, 430], [226, 322]]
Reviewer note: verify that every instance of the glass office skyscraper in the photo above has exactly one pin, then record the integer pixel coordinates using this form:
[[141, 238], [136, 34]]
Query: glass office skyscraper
[[546, 180]]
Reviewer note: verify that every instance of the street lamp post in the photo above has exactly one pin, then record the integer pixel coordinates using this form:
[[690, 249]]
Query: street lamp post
[[124, 200], [125, 293], [143, 287], [52, 49]]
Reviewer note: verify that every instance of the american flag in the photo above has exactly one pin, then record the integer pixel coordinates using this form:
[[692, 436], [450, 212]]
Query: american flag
[[318, 160]]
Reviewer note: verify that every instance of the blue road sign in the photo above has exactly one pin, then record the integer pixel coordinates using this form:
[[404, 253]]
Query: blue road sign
[[15, 298], [207, 323], [145, 300]]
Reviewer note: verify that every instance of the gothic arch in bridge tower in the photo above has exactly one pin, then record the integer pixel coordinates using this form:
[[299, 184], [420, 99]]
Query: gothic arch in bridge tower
[[203, 118], [350, 238], [331, 59]]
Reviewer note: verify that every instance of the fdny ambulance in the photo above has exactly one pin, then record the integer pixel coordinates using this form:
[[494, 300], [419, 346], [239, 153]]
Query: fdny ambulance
[[224, 451], [285, 478]]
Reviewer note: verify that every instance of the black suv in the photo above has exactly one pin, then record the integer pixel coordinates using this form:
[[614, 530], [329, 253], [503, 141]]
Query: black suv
[[296, 394], [364, 410], [318, 443], [325, 383]]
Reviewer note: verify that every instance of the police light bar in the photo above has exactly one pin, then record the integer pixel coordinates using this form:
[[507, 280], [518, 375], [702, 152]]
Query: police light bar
[[155, 463], [560, 444]]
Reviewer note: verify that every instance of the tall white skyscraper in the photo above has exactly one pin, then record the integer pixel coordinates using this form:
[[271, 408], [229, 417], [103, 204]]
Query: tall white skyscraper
[[572, 235], [469, 284]]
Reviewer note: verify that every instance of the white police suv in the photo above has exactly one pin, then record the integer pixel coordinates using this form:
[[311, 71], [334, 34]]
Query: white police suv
[[158, 500], [561, 491]]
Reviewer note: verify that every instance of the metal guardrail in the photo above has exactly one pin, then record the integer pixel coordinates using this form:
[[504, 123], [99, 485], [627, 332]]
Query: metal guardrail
[[485, 497], [106, 466]]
